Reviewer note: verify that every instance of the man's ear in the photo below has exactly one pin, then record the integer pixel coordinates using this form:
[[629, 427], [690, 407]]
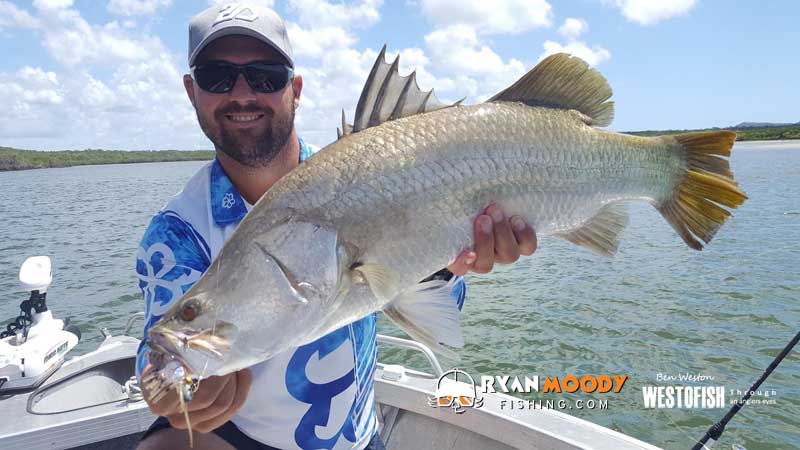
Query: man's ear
[[188, 84], [297, 88]]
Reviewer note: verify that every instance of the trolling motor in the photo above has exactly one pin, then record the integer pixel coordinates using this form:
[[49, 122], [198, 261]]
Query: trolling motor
[[33, 345]]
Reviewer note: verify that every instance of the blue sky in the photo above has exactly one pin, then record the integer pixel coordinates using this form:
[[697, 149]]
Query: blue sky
[[107, 74]]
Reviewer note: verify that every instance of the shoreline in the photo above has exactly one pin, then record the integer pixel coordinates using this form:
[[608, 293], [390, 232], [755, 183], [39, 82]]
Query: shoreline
[[14, 160], [771, 143]]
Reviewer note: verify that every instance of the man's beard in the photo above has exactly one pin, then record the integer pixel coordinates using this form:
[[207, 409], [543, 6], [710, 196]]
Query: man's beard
[[251, 147]]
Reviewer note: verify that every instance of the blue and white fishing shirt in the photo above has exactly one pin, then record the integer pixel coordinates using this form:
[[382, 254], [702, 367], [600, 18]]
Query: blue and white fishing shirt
[[318, 396]]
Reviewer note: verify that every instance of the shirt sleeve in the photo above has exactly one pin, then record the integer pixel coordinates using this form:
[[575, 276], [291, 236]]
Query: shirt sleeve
[[171, 257], [459, 292]]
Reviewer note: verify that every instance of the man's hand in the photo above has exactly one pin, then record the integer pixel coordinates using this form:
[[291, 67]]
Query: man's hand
[[497, 239], [217, 399]]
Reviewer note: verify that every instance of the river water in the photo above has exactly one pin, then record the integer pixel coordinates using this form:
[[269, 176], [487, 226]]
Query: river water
[[656, 308]]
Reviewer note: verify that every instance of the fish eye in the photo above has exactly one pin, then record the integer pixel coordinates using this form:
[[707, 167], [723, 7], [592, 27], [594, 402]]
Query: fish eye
[[189, 311]]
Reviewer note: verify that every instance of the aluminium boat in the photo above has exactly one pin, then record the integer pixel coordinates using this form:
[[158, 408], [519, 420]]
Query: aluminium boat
[[93, 401]]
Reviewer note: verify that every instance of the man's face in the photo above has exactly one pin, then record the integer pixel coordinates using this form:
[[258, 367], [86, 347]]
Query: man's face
[[249, 126]]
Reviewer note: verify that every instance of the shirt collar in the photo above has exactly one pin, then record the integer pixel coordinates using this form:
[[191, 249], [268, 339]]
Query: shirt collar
[[227, 206]]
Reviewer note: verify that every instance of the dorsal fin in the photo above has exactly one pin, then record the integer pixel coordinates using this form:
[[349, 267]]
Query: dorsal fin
[[388, 96], [564, 82]]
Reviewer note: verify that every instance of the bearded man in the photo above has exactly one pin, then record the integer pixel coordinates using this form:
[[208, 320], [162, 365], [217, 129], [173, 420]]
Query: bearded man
[[244, 90]]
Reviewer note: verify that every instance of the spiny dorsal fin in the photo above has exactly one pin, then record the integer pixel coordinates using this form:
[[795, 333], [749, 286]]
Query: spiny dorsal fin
[[561, 81], [388, 96], [602, 232], [346, 128]]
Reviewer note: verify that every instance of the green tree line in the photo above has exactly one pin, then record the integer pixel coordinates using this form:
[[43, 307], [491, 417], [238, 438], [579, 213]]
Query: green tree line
[[15, 159], [742, 134]]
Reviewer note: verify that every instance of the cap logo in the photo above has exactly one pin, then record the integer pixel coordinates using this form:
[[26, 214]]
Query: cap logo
[[235, 11]]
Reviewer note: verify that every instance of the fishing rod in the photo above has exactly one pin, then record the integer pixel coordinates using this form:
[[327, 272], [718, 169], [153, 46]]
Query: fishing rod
[[713, 434]]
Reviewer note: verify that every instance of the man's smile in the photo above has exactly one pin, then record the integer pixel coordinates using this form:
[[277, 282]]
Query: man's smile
[[244, 119]]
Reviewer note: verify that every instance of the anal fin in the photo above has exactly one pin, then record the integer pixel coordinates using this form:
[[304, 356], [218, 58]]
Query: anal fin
[[601, 234]]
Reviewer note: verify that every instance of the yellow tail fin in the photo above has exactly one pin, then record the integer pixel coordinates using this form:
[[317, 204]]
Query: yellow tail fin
[[695, 210]]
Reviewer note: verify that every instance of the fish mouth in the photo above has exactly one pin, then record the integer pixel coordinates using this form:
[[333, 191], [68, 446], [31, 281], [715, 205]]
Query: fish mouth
[[164, 377], [169, 351], [176, 343]]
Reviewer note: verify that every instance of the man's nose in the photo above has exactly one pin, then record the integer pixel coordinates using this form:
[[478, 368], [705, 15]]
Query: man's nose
[[241, 90]]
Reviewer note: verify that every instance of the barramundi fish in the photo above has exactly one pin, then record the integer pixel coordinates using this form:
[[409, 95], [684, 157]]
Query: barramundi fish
[[355, 228]]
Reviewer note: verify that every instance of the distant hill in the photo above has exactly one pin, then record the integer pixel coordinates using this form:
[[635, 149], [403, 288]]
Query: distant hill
[[764, 125], [773, 132], [16, 159]]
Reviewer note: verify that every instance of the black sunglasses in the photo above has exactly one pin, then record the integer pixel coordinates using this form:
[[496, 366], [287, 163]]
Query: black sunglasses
[[219, 77]]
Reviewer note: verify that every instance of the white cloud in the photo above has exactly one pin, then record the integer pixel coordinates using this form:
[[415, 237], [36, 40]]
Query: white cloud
[[52, 4], [33, 99], [648, 12], [13, 17], [489, 17], [71, 40], [138, 106], [573, 28], [331, 84], [314, 43], [267, 3], [457, 50], [32, 86], [136, 7], [466, 65], [333, 70], [321, 13], [592, 55]]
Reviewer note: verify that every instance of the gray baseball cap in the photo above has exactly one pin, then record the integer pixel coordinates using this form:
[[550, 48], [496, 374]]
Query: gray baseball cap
[[238, 18]]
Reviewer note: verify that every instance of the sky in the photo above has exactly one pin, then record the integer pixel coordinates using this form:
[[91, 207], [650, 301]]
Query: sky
[[107, 74]]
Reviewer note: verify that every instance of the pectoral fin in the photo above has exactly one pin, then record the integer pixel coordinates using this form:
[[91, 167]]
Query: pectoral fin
[[429, 314], [381, 280]]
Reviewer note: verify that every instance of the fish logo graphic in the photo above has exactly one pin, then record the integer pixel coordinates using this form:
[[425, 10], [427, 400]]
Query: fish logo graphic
[[454, 393]]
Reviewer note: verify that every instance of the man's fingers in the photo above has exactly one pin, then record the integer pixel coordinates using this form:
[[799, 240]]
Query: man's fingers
[[526, 236], [165, 404], [484, 244], [208, 391], [243, 382], [463, 263], [222, 413], [244, 378], [506, 249], [220, 404]]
